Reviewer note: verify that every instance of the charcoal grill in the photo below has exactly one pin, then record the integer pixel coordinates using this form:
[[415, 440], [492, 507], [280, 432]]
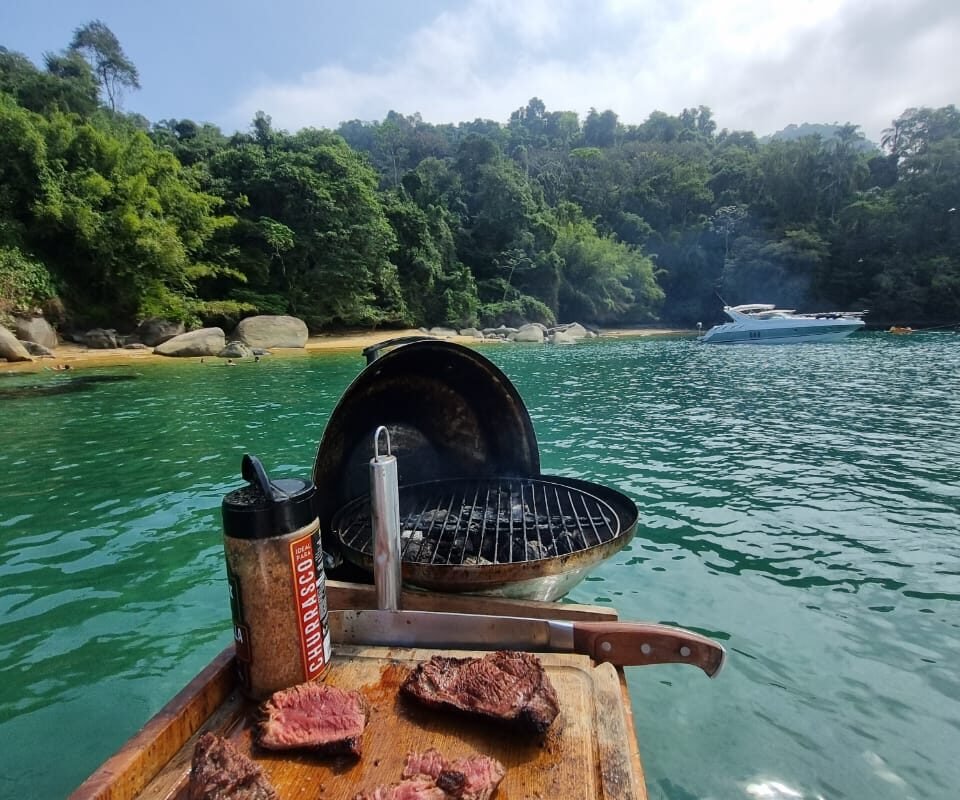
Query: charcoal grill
[[476, 514]]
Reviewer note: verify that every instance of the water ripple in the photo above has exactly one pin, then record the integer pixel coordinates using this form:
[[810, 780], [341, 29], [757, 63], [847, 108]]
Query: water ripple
[[798, 503]]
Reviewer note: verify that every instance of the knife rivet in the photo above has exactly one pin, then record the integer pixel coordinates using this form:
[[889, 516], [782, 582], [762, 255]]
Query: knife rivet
[[645, 649], [685, 651], [606, 647]]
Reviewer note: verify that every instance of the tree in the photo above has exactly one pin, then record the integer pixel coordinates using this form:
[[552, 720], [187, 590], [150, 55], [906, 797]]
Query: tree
[[120, 224], [600, 130], [67, 85], [437, 289], [845, 169], [698, 122], [658, 127], [602, 280], [917, 128], [725, 222], [528, 125], [115, 72], [313, 230]]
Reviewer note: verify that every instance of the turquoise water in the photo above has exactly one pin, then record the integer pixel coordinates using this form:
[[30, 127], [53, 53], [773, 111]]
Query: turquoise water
[[800, 503]]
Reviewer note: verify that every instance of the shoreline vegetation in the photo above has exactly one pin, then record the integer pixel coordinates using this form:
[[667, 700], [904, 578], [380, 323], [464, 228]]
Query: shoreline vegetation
[[77, 356], [108, 218]]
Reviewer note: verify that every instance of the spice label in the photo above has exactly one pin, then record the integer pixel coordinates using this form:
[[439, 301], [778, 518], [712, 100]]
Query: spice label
[[322, 591], [310, 590]]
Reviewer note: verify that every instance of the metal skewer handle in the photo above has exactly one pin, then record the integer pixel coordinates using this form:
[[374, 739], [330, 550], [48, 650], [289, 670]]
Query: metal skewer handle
[[385, 514]]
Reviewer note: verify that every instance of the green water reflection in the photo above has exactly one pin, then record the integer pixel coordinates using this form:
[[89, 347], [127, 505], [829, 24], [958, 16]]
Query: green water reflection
[[798, 503]]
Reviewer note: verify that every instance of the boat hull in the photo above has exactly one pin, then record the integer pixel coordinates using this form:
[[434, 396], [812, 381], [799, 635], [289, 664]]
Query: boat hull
[[736, 334]]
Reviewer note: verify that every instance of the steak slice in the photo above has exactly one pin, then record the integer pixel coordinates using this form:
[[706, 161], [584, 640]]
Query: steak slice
[[473, 778], [429, 776], [506, 685], [418, 789], [221, 772], [315, 716]]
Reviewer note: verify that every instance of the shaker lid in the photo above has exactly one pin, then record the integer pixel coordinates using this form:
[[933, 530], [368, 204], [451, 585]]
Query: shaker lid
[[265, 507]]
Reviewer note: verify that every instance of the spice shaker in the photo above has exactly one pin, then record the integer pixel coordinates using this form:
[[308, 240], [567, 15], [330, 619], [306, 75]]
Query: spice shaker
[[278, 598]]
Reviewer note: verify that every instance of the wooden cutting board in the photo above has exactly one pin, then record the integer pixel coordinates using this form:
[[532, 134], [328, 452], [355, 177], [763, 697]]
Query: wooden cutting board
[[585, 754]]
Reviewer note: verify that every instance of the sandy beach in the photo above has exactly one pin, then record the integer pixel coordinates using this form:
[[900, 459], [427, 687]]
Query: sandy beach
[[76, 356]]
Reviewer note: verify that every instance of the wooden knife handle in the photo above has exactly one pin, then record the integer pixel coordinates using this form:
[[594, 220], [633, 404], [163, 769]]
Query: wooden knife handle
[[639, 643]]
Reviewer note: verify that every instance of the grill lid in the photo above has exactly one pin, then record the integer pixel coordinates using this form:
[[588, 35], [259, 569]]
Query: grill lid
[[450, 412]]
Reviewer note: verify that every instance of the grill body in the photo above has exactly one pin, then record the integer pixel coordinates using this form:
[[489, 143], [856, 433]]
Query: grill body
[[476, 513], [523, 537]]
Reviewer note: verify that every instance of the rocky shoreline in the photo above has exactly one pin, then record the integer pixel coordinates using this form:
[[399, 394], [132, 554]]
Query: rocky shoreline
[[254, 338]]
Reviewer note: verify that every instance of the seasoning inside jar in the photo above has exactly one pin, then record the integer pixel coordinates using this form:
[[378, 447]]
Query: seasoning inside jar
[[277, 585]]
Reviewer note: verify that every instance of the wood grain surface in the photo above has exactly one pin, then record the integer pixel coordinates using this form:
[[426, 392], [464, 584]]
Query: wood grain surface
[[583, 755], [590, 751]]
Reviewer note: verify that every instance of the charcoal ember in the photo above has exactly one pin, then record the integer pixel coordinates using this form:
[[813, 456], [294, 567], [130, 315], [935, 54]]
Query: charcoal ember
[[567, 543], [435, 516], [416, 548], [219, 771], [473, 778], [535, 551], [475, 561], [314, 716], [507, 686]]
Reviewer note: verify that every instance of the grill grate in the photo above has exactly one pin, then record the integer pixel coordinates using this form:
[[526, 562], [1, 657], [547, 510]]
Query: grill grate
[[490, 521]]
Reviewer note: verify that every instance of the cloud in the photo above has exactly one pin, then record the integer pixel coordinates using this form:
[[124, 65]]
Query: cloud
[[759, 66]]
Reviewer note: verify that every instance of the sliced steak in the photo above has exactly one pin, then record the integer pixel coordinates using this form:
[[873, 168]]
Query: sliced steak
[[314, 716], [221, 772], [429, 776], [417, 789], [473, 778], [429, 763], [508, 686]]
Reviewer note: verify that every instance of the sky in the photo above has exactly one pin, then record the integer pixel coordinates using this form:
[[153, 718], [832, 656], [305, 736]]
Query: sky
[[759, 65]]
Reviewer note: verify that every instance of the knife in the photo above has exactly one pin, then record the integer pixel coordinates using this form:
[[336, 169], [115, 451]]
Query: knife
[[620, 643]]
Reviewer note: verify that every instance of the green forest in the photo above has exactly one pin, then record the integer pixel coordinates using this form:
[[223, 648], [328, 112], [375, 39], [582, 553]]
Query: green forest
[[107, 218]]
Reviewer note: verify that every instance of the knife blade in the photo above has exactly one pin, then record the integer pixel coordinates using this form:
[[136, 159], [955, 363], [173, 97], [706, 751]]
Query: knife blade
[[620, 643]]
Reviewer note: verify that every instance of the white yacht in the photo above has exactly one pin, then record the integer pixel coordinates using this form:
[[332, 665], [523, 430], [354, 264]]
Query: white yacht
[[761, 323]]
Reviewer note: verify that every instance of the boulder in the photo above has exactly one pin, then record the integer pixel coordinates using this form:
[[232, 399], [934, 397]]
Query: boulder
[[503, 331], [473, 333], [135, 346], [574, 330], [156, 331], [272, 331], [235, 349], [202, 342], [442, 333], [528, 333], [562, 337], [37, 349], [35, 329], [10, 348], [101, 339]]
